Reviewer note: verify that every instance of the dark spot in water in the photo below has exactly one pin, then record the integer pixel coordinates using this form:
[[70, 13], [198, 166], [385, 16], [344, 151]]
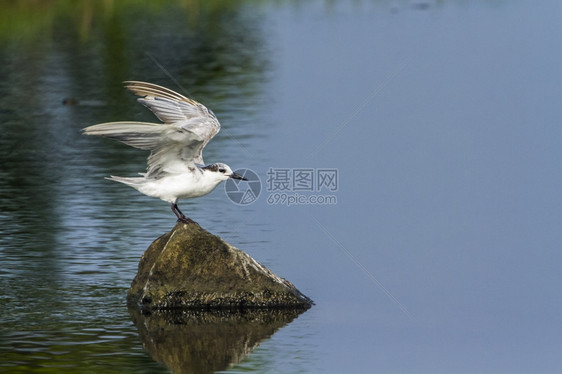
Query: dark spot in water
[[69, 101]]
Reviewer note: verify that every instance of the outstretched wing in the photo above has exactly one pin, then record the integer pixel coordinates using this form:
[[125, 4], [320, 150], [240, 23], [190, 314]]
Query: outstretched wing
[[175, 145], [175, 109]]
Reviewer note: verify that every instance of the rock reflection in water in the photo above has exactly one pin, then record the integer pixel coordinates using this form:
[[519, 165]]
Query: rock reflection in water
[[206, 341]]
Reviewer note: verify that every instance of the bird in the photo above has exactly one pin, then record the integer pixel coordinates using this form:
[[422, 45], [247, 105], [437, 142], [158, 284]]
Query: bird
[[175, 167]]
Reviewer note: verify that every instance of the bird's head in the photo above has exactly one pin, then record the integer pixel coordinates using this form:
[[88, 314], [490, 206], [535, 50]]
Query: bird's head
[[222, 172]]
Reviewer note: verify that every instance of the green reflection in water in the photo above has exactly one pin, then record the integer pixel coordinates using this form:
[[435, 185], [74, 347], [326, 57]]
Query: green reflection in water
[[26, 21], [65, 265]]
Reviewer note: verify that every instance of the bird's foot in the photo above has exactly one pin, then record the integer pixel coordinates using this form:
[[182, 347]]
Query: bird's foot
[[185, 219]]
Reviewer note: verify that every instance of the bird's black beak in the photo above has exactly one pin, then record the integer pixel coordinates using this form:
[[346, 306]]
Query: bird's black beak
[[237, 176]]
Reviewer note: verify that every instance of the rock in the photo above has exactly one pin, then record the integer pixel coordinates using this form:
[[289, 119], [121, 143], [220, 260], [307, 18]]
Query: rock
[[190, 268]]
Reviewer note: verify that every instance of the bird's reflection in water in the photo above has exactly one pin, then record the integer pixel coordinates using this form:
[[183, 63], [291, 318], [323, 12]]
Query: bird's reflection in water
[[206, 341]]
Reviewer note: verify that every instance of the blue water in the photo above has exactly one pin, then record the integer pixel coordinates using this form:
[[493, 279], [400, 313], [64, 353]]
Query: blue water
[[441, 251]]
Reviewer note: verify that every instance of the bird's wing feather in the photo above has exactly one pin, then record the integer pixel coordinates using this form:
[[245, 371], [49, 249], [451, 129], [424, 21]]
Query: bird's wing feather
[[142, 135], [175, 145], [170, 106], [173, 148]]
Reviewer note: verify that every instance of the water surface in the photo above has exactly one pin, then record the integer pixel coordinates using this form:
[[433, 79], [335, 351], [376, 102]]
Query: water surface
[[442, 120]]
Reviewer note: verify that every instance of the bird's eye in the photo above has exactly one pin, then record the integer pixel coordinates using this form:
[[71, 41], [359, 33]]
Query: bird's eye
[[222, 170]]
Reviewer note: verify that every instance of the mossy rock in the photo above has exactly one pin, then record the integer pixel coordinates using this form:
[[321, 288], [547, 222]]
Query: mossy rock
[[190, 268]]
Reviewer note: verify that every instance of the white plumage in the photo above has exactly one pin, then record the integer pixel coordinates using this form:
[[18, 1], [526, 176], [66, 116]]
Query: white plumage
[[175, 165]]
